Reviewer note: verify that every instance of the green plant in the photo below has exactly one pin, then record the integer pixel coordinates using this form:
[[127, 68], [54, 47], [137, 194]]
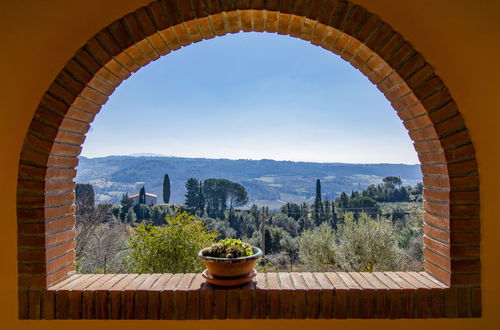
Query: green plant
[[170, 248], [228, 248]]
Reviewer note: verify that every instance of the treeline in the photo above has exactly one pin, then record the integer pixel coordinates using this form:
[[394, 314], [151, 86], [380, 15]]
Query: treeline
[[285, 235]]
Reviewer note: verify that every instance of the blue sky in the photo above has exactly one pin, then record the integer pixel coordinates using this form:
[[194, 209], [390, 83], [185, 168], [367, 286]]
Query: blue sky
[[251, 96]]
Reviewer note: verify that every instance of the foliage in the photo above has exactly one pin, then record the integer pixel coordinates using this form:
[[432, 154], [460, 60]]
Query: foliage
[[318, 210], [228, 248], [219, 192], [195, 200], [166, 189], [85, 197], [142, 196], [367, 245], [170, 248], [317, 248]]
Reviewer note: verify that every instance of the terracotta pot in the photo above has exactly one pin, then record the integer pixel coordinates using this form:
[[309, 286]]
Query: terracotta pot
[[231, 268]]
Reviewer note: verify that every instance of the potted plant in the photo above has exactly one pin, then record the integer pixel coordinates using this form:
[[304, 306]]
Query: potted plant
[[229, 262]]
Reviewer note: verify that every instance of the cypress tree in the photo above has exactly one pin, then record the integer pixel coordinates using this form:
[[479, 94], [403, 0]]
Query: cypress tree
[[318, 206], [142, 196], [166, 189]]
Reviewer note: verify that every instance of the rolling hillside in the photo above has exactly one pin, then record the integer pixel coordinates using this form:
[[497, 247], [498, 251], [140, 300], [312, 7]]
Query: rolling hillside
[[268, 182]]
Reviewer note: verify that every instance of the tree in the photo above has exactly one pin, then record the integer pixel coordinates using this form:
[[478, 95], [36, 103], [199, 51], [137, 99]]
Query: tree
[[219, 193], [317, 248], [166, 189], [318, 206], [392, 181], [126, 204], [171, 248], [85, 198], [142, 196], [193, 196], [361, 203], [367, 245]]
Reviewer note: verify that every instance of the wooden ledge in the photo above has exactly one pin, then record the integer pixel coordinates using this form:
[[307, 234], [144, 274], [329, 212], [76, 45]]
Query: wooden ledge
[[270, 296]]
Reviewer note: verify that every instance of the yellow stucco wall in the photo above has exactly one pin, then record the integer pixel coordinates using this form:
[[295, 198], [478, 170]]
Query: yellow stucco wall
[[461, 39]]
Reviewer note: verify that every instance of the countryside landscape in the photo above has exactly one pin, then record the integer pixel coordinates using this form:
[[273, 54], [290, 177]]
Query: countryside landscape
[[149, 214]]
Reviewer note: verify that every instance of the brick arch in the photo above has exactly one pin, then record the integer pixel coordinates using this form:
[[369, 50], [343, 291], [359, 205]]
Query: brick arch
[[45, 196]]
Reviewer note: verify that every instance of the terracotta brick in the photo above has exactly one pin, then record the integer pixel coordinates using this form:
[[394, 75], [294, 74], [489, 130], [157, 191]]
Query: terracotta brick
[[167, 297], [145, 22], [437, 221], [232, 303], [283, 26], [60, 261], [299, 295], [326, 12], [217, 24], [476, 304], [368, 29], [171, 13], [57, 91], [439, 234], [381, 308], [368, 296], [69, 82], [273, 294], [247, 300], [154, 296], [130, 58], [180, 297], [355, 19], [258, 17], [193, 298], [23, 304], [340, 14], [220, 303], [206, 300], [149, 50], [296, 26], [394, 305], [77, 71], [233, 21], [313, 295], [466, 279], [437, 259], [285, 6], [431, 157], [354, 295], [308, 29], [261, 299], [401, 56], [129, 296], [271, 22], [438, 273], [326, 306], [286, 295], [120, 34], [379, 37], [101, 85]]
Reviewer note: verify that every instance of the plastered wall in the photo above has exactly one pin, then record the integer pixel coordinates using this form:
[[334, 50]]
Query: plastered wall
[[459, 38]]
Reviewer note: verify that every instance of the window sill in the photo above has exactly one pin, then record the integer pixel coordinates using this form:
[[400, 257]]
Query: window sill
[[270, 296]]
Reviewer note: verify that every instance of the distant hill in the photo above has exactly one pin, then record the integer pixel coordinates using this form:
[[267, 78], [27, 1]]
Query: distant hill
[[268, 182]]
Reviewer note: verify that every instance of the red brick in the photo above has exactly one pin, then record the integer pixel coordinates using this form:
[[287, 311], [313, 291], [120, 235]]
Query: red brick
[[299, 295]]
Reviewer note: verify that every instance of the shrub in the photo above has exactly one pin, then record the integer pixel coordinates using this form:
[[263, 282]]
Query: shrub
[[171, 248]]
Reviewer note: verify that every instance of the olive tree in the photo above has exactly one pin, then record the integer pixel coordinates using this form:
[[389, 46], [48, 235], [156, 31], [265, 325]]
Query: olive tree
[[317, 248], [367, 245]]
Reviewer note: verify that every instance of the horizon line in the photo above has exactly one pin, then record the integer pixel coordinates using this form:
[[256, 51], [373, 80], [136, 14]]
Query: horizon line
[[154, 155]]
